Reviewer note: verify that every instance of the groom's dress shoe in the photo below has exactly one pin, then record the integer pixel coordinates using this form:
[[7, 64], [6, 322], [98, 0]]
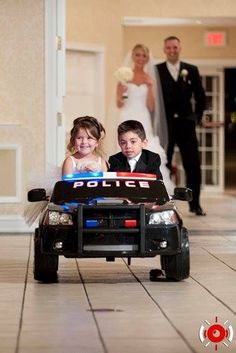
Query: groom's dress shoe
[[198, 211]]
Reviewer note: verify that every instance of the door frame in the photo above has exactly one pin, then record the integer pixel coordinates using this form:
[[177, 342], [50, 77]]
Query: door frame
[[54, 82], [211, 66], [55, 74]]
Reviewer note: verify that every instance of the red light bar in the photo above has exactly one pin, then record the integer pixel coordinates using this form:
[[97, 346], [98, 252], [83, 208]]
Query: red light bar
[[136, 175], [130, 223]]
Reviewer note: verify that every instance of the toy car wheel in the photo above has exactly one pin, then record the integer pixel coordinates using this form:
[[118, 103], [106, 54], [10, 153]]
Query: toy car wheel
[[177, 266], [45, 266]]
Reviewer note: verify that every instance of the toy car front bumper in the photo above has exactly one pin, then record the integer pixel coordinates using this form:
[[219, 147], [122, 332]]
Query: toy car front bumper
[[110, 238], [154, 241]]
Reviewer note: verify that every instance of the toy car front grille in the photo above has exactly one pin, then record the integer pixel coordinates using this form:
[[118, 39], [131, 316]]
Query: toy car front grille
[[109, 219], [111, 227]]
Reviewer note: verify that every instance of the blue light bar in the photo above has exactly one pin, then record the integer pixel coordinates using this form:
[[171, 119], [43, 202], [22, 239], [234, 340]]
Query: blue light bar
[[92, 223], [84, 176], [107, 175], [68, 205]]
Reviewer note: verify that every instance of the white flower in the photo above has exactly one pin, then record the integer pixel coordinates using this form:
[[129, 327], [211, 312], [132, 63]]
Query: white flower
[[184, 74], [124, 74]]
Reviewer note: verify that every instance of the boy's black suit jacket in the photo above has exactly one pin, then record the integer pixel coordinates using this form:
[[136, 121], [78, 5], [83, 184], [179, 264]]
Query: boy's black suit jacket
[[149, 162], [178, 94]]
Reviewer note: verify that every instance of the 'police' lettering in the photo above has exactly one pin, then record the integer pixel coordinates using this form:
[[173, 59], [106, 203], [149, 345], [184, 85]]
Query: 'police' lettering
[[92, 184], [113, 183], [144, 184], [106, 184], [77, 184], [130, 184]]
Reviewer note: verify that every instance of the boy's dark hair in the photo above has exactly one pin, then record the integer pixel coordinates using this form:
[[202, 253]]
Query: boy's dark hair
[[134, 126]]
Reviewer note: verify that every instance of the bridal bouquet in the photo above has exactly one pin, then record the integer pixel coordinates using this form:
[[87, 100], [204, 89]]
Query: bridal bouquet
[[124, 74]]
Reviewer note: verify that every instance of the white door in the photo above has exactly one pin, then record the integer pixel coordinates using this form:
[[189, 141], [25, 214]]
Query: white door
[[84, 86], [211, 140]]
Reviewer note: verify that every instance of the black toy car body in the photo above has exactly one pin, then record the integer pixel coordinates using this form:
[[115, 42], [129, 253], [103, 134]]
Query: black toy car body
[[110, 215]]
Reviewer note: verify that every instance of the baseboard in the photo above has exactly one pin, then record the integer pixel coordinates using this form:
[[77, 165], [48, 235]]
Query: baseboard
[[14, 224]]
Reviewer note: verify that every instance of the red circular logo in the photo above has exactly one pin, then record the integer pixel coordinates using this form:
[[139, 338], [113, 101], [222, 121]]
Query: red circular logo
[[216, 333]]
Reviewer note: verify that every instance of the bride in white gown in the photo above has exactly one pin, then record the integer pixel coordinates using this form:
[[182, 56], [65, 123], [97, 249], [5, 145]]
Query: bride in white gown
[[137, 100]]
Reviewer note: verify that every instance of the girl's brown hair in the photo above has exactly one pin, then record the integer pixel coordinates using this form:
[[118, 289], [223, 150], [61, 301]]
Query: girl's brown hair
[[88, 123]]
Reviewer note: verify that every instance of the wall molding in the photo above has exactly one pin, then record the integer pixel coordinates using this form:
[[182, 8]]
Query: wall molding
[[10, 124], [219, 64], [91, 47], [14, 224], [18, 177], [178, 21]]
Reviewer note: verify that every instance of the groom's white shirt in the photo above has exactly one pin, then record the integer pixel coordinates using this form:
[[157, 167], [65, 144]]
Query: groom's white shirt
[[173, 69]]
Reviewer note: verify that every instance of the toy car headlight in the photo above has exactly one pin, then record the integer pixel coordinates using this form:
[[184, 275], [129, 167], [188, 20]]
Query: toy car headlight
[[164, 217], [55, 217]]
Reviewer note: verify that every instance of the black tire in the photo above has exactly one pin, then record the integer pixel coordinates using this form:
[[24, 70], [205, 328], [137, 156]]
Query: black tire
[[177, 267], [45, 266]]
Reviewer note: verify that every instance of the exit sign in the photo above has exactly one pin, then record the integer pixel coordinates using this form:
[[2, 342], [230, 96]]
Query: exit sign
[[215, 39]]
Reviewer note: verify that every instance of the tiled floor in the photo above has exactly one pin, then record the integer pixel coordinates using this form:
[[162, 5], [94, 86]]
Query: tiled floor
[[100, 307]]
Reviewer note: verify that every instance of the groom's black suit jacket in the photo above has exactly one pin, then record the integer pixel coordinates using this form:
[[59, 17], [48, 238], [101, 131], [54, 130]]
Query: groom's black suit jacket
[[181, 120], [149, 162], [178, 94]]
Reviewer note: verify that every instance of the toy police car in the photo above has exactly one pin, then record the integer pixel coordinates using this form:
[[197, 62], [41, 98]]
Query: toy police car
[[109, 215]]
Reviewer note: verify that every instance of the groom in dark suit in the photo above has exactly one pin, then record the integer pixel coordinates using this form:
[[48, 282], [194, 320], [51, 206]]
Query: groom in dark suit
[[181, 85]]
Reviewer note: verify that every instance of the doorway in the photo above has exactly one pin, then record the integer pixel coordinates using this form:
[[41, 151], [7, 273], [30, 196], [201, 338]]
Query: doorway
[[230, 130], [85, 93]]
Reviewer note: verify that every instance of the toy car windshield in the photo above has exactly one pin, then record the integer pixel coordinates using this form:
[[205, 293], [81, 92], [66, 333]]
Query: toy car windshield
[[133, 187]]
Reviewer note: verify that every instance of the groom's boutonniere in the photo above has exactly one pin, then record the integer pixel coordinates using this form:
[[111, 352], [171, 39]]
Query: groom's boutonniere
[[184, 74]]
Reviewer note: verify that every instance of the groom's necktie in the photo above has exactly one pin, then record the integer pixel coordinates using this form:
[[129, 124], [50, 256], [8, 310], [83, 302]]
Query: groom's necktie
[[174, 70], [132, 162]]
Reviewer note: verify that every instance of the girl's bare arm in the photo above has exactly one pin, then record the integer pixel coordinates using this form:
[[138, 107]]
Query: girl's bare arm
[[67, 167]]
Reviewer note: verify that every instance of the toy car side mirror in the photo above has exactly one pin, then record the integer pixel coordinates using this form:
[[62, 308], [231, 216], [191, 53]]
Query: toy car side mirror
[[35, 195], [183, 194]]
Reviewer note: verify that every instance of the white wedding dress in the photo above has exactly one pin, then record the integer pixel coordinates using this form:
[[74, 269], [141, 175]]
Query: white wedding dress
[[135, 109]]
